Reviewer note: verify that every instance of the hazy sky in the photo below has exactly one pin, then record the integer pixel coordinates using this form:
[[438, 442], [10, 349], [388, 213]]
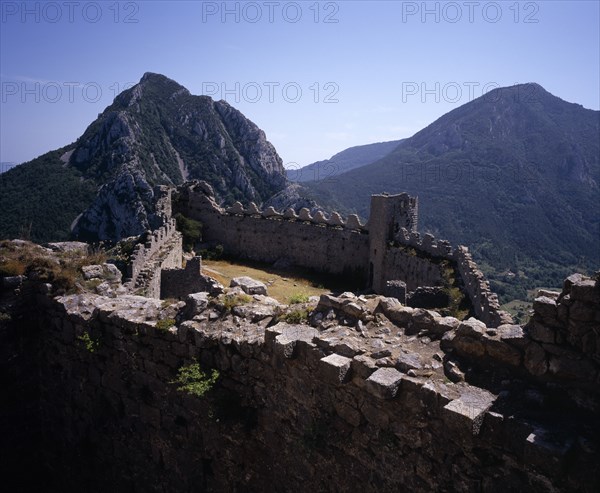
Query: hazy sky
[[317, 77]]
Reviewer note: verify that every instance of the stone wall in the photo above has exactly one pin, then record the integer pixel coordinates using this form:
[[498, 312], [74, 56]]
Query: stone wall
[[325, 245], [374, 253], [485, 302], [288, 413], [162, 249], [560, 345], [415, 270]]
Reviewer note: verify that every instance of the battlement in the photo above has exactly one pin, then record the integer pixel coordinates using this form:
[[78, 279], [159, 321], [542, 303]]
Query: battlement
[[372, 253], [161, 249]]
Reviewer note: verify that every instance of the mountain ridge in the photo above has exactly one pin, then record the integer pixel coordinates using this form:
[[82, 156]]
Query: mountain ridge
[[505, 175], [343, 161]]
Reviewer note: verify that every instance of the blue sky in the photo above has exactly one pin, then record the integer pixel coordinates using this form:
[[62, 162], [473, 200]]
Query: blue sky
[[317, 77]]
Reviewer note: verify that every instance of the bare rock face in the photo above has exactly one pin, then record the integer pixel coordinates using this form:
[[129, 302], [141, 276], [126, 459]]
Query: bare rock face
[[129, 150], [124, 207]]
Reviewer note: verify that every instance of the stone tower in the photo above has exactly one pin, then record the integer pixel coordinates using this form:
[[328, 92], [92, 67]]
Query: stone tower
[[389, 213]]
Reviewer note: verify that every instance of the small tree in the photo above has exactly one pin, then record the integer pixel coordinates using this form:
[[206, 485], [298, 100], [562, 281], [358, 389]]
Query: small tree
[[190, 229]]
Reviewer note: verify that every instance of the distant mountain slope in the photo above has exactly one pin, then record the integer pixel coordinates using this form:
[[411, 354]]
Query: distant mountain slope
[[346, 160], [514, 174], [155, 133], [6, 165]]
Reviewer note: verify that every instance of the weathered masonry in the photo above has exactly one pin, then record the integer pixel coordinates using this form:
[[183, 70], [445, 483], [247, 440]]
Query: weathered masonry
[[388, 248]]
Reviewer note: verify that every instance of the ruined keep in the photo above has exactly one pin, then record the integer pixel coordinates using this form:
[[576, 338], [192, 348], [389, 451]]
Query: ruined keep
[[387, 248]]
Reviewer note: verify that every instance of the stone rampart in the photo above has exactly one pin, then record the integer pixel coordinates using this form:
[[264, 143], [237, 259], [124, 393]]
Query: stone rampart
[[161, 250], [374, 253], [323, 244], [289, 412]]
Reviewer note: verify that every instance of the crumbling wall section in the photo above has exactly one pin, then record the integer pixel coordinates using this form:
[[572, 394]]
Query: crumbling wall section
[[285, 415], [162, 249], [327, 245], [375, 252]]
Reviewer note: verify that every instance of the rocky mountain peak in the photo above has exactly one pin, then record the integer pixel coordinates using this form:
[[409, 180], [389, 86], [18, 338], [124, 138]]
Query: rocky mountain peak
[[157, 133]]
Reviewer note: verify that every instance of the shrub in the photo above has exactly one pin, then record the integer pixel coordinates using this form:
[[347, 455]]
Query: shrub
[[165, 323], [296, 316], [190, 229], [298, 298], [192, 380], [12, 267], [239, 299], [90, 344]]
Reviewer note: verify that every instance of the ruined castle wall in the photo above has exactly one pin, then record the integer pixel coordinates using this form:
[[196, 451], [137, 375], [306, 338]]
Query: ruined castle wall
[[331, 245], [484, 300], [320, 247], [284, 415], [162, 250], [402, 264], [177, 283]]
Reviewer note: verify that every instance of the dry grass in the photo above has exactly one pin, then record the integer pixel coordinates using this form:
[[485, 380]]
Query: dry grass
[[282, 286], [61, 269]]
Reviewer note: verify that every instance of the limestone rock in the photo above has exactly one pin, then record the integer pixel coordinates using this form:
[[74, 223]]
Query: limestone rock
[[69, 246], [384, 383], [195, 304], [249, 285]]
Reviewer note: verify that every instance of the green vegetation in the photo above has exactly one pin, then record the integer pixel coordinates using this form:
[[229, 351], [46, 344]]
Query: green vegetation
[[295, 316], [239, 299], [298, 298], [90, 344], [165, 323], [192, 380], [190, 229], [215, 253], [62, 270], [40, 199], [459, 303]]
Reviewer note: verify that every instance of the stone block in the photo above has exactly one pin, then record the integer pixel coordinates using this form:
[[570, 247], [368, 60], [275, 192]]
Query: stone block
[[469, 346], [443, 324], [503, 352], [195, 304], [468, 411], [408, 360], [335, 368], [249, 285], [586, 290], [396, 289], [535, 359], [540, 332], [384, 383], [513, 335], [546, 308], [363, 366], [471, 328], [582, 311], [285, 341], [572, 369]]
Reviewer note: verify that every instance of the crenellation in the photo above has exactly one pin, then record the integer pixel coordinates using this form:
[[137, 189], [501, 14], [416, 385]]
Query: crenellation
[[353, 222], [236, 208], [335, 219], [252, 210], [374, 252], [304, 215], [290, 214], [270, 212]]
